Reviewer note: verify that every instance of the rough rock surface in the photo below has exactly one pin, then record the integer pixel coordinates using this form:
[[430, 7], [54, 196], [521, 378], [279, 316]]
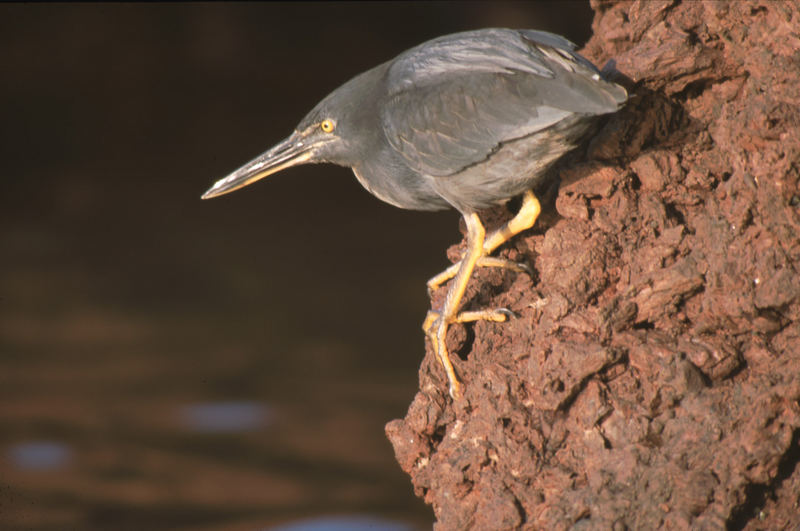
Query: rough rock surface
[[652, 378]]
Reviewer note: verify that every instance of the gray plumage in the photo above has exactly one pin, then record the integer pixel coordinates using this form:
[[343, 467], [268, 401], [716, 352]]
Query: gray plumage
[[429, 129], [465, 121]]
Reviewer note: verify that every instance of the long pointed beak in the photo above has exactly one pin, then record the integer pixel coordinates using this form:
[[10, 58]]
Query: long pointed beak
[[290, 152]]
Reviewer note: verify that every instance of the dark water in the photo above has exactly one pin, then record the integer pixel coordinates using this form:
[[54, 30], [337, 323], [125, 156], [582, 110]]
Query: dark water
[[168, 363]]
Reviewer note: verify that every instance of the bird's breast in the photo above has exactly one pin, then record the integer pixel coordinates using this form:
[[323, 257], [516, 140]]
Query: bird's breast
[[399, 185]]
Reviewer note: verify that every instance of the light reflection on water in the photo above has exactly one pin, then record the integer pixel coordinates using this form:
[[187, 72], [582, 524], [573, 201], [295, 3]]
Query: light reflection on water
[[343, 523], [127, 305], [226, 417], [39, 455]]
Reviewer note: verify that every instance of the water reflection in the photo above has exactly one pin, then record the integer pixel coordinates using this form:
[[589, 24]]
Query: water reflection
[[39, 455], [344, 523], [226, 417], [127, 304]]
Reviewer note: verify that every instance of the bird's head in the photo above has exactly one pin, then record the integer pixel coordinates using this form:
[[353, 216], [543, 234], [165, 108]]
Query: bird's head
[[309, 143], [334, 131]]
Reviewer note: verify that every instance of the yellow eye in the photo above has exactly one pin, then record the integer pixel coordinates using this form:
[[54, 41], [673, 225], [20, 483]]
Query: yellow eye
[[327, 125]]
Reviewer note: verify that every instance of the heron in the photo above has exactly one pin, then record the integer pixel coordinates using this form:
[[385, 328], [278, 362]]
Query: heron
[[464, 121]]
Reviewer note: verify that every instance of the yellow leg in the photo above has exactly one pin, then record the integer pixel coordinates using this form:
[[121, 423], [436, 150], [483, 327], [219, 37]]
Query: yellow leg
[[436, 325], [525, 219]]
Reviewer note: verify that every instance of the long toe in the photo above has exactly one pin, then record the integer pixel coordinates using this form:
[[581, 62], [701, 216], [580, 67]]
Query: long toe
[[435, 329], [484, 261], [518, 267], [437, 281], [498, 315], [444, 358], [427, 324]]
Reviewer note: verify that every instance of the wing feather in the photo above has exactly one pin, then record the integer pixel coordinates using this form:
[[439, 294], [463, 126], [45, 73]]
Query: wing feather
[[453, 101]]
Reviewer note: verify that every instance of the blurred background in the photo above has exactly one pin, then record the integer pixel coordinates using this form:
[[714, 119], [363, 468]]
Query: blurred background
[[172, 363]]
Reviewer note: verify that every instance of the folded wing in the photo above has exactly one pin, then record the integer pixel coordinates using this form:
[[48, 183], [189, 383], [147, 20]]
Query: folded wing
[[457, 102]]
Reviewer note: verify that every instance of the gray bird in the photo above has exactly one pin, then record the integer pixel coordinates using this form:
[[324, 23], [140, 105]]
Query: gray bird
[[464, 121]]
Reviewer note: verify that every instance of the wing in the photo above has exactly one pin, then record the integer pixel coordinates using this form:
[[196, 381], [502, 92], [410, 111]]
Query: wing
[[453, 101]]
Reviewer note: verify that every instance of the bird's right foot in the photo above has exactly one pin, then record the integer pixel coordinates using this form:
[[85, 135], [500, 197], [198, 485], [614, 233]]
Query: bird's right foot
[[523, 220]]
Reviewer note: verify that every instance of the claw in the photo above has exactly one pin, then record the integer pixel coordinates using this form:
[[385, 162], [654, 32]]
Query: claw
[[508, 313], [499, 315]]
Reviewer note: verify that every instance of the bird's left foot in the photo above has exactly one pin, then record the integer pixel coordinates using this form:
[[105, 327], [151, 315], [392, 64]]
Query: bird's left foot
[[479, 247], [436, 329]]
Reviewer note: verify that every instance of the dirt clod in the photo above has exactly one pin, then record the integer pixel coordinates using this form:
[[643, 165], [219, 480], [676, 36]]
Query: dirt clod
[[652, 377]]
